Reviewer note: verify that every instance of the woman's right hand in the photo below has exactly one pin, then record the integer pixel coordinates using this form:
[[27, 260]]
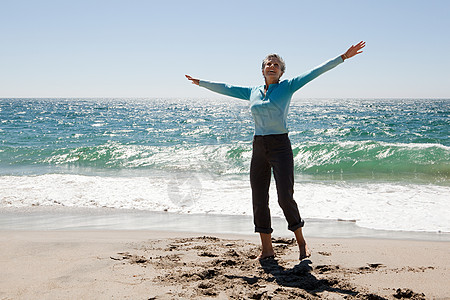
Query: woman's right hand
[[194, 80]]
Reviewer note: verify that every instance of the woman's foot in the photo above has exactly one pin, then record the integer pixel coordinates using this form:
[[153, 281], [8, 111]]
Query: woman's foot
[[263, 255], [266, 247], [303, 248], [304, 251]]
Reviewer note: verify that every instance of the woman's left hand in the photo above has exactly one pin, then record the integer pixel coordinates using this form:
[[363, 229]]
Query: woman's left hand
[[354, 49]]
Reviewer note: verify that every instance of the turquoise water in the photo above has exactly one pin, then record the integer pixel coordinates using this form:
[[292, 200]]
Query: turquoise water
[[381, 138], [338, 144]]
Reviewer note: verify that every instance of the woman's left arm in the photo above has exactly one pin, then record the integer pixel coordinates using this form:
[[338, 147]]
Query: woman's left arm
[[299, 81]]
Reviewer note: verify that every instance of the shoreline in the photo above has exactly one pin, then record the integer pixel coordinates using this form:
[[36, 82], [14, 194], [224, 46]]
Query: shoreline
[[143, 264], [110, 219]]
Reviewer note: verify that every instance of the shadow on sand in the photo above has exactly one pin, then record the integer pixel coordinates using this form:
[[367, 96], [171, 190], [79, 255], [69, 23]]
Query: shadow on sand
[[300, 277]]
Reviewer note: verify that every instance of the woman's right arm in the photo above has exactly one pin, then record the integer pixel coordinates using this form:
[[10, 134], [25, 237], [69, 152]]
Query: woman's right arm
[[223, 88]]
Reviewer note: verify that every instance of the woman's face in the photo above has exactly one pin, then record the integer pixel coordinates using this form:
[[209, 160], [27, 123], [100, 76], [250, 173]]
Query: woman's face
[[272, 70]]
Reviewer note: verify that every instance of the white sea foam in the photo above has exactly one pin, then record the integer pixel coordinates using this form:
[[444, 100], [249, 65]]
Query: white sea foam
[[389, 206]]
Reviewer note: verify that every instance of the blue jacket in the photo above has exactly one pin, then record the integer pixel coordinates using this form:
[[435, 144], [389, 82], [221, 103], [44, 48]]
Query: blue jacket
[[270, 111]]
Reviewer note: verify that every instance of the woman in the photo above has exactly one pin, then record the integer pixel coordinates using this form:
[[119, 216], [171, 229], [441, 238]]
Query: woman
[[272, 150]]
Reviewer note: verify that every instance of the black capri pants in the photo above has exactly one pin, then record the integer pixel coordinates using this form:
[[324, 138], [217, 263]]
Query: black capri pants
[[273, 152]]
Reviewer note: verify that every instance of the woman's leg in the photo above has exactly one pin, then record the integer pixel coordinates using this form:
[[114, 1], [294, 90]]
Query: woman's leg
[[282, 161], [260, 172]]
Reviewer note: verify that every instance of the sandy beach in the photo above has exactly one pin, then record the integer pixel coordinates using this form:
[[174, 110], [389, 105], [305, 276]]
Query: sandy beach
[[114, 264]]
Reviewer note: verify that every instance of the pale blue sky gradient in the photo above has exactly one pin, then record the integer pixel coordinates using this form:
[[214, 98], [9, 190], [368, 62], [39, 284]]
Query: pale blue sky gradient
[[144, 48]]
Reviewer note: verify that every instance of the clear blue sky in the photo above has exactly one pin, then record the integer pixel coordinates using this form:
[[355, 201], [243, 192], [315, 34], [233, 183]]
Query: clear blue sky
[[144, 48]]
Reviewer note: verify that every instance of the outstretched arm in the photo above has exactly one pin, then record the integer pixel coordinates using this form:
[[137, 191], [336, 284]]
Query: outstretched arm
[[353, 50], [299, 81], [222, 88]]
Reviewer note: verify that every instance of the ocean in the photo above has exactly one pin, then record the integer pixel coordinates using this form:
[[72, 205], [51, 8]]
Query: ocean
[[379, 163]]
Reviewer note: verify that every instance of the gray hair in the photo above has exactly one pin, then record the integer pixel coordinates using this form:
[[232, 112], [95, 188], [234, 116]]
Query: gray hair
[[274, 55]]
